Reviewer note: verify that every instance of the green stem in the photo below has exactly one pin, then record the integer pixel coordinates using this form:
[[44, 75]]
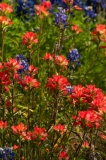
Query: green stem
[[79, 147], [29, 99], [13, 93], [2, 49]]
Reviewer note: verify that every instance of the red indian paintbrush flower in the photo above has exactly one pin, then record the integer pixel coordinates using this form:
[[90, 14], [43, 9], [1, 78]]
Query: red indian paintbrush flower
[[86, 94], [60, 128], [19, 129], [58, 82], [3, 124], [76, 29], [40, 133], [61, 61], [5, 21], [6, 8], [29, 82], [47, 4], [41, 9], [13, 65], [48, 56], [99, 33], [28, 136], [63, 155], [32, 70], [29, 38], [88, 118], [5, 80]]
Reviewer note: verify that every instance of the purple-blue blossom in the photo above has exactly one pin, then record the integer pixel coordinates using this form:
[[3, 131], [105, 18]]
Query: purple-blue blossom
[[69, 89], [24, 63], [7, 153], [61, 18], [73, 57]]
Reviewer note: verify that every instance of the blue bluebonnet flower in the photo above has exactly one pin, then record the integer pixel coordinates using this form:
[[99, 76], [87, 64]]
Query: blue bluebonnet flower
[[7, 153], [69, 89], [74, 57], [59, 3], [25, 8], [24, 63], [89, 12], [61, 18], [94, 3], [80, 3]]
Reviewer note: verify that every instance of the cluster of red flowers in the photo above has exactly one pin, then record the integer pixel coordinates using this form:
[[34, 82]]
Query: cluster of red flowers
[[70, 2], [29, 38], [88, 118], [58, 83], [29, 82], [42, 9], [5, 21], [59, 60], [60, 128], [95, 102], [99, 32], [4, 9], [38, 133], [9, 72], [76, 29], [3, 124]]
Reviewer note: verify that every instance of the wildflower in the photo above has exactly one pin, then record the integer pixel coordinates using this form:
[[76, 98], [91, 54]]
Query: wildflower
[[5, 21], [76, 29], [25, 8], [6, 8], [40, 133], [5, 80], [32, 71], [15, 147], [3, 125], [29, 38], [41, 10], [63, 155], [61, 61], [74, 57], [103, 136], [89, 12], [70, 2], [61, 18], [8, 103], [69, 89], [87, 94], [29, 82], [23, 62], [47, 4], [100, 28], [88, 118], [1, 66], [60, 128], [13, 65], [7, 153], [48, 56], [85, 144], [28, 136], [19, 129], [99, 32], [77, 7], [77, 93], [57, 82]]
